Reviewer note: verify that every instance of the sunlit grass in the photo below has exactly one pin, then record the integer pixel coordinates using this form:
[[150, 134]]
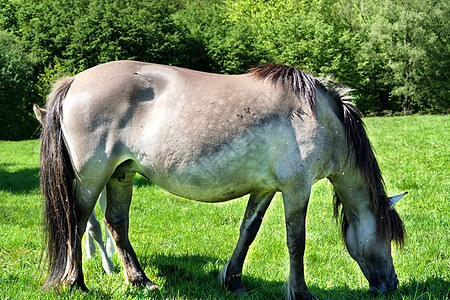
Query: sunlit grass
[[182, 245]]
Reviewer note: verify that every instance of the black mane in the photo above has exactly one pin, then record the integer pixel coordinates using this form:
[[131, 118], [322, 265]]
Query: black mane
[[299, 82]]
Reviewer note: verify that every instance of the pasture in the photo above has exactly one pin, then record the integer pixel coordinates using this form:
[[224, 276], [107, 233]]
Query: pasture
[[182, 245]]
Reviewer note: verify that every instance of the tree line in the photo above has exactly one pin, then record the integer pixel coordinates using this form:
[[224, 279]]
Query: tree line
[[395, 54]]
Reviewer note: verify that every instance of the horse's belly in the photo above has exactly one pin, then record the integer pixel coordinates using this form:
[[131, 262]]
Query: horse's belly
[[231, 172], [205, 192], [214, 183]]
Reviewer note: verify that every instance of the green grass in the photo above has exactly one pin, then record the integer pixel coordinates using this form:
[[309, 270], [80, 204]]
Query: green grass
[[182, 245]]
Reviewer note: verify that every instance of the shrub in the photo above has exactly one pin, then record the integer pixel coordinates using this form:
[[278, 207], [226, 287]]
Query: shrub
[[16, 73]]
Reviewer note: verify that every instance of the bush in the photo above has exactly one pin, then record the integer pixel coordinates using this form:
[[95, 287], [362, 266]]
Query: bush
[[16, 73]]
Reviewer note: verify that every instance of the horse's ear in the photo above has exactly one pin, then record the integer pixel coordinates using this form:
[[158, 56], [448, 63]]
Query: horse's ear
[[394, 199], [40, 113]]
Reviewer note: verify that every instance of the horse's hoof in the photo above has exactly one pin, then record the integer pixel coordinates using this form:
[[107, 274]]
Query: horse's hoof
[[77, 286], [241, 291], [108, 266], [234, 284], [151, 286], [304, 295]]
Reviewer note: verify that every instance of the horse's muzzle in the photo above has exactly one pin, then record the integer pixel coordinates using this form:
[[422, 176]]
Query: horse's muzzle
[[384, 287]]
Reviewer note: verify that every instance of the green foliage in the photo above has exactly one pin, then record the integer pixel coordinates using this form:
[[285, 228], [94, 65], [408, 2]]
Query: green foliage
[[80, 34], [399, 58], [16, 71], [394, 54], [49, 76], [239, 34], [226, 48], [112, 30]]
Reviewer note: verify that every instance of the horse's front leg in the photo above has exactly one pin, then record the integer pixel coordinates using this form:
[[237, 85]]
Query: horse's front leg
[[295, 206], [230, 277], [119, 192]]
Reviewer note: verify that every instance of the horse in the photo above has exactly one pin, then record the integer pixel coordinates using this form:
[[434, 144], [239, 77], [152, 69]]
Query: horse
[[211, 138], [93, 229]]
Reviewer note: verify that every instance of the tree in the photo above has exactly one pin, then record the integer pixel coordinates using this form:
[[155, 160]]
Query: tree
[[111, 30], [395, 54], [80, 34], [222, 46], [401, 42], [16, 71]]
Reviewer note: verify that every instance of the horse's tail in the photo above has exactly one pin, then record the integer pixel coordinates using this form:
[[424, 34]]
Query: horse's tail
[[389, 224], [57, 177]]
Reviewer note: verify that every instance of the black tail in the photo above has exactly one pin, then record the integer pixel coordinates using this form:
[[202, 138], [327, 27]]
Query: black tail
[[57, 189]]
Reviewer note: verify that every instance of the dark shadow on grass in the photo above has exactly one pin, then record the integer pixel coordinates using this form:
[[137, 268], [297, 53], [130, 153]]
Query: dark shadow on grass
[[24, 180], [195, 277], [434, 287]]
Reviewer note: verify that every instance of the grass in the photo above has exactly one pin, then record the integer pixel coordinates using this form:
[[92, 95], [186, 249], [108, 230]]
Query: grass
[[182, 245]]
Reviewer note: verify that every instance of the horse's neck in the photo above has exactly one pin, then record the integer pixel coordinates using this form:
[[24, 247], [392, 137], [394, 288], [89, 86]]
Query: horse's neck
[[328, 116]]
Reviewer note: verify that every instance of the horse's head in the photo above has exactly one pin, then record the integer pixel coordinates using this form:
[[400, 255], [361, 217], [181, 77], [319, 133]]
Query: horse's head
[[40, 113]]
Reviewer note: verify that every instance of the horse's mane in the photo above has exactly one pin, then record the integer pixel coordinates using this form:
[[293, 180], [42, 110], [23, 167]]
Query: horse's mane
[[299, 82], [389, 225]]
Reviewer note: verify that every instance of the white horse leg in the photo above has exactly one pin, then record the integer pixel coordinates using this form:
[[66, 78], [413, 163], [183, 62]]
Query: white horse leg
[[230, 277], [295, 206], [94, 232], [93, 228], [110, 249], [90, 245]]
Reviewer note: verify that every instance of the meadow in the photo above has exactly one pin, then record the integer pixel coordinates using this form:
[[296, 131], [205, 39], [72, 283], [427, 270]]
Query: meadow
[[182, 245]]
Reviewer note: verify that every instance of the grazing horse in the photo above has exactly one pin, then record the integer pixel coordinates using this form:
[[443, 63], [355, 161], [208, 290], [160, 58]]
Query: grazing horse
[[210, 138]]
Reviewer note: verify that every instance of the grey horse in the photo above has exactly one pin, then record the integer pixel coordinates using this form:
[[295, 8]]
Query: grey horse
[[210, 138]]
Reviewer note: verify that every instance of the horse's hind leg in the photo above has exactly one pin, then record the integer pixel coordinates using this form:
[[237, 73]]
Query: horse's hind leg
[[86, 197], [119, 192], [230, 277]]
